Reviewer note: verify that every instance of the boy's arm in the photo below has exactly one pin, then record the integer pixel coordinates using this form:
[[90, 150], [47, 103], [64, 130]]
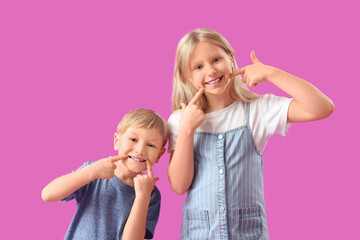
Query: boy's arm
[[65, 185], [309, 103], [135, 227], [181, 166]]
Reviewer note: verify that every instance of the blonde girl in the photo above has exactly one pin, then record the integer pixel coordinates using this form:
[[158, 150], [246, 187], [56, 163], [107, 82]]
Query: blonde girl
[[219, 129]]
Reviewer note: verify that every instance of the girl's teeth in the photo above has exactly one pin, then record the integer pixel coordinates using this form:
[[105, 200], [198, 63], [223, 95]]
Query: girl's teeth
[[215, 81]]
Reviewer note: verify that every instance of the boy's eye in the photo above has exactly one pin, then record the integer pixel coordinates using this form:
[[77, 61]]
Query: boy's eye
[[216, 59], [150, 145]]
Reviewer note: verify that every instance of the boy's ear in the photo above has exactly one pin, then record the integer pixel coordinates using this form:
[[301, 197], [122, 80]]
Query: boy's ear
[[160, 154], [116, 142]]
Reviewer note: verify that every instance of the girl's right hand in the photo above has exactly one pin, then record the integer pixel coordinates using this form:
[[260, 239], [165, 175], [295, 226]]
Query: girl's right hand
[[105, 167], [192, 115]]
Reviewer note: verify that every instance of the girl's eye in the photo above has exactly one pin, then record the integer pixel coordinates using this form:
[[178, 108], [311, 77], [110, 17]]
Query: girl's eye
[[150, 145], [132, 139], [216, 59], [198, 67]]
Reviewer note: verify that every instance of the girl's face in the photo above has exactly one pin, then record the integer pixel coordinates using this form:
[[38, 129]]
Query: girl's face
[[210, 67]]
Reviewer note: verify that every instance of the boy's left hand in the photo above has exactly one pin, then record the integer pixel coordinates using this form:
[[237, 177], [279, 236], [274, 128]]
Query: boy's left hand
[[144, 183], [254, 73]]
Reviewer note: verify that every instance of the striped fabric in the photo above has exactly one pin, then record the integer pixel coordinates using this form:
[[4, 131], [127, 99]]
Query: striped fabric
[[226, 198]]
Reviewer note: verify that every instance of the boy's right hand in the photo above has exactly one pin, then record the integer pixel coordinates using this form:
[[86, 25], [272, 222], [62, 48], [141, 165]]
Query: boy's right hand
[[192, 115], [105, 167]]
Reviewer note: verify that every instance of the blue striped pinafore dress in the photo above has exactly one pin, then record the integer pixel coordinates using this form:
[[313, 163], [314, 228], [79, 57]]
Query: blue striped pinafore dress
[[226, 198]]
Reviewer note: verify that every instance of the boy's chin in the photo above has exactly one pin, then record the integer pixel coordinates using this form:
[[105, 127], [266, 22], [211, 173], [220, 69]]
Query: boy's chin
[[134, 168]]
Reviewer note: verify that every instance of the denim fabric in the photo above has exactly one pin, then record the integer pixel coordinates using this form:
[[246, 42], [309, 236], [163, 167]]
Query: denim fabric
[[226, 198]]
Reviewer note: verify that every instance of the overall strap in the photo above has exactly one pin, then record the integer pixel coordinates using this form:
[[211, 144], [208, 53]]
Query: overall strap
[[247, 112]]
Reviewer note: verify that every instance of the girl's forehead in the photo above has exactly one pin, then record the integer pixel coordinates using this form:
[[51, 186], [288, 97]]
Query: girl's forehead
[[205, 50]]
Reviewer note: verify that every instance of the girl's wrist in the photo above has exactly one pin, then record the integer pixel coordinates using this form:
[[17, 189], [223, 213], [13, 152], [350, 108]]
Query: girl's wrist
[[186, 130], [274, 74]]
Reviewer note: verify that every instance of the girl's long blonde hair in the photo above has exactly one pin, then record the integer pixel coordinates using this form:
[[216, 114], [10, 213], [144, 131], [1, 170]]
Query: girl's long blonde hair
[[183, 88]]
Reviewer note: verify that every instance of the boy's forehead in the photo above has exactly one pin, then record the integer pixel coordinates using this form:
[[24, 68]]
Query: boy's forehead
[[148, 132]]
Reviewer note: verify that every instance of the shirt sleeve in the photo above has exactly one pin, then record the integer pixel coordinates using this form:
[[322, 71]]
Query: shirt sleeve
[[173, 125], [268, 116], [80, 192], [153, 213]]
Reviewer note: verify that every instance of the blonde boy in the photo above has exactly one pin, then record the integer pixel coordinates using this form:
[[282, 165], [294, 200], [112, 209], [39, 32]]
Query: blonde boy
[[114, 199]]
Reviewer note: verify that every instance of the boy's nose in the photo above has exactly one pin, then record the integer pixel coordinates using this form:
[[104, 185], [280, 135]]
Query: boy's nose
[[139, 148]]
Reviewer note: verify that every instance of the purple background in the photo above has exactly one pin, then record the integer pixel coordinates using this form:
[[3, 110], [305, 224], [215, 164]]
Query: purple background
[[69, 70]]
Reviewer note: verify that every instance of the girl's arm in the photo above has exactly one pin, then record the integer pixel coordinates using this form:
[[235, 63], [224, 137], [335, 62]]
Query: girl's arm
[[181, 166], [65, 185], [309, 103], [135, 227]]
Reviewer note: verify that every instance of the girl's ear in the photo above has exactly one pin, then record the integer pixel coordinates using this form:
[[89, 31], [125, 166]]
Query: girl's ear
[[231, 58], [116, 141]]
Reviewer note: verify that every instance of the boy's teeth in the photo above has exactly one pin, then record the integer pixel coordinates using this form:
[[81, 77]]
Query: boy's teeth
[[137, 159]]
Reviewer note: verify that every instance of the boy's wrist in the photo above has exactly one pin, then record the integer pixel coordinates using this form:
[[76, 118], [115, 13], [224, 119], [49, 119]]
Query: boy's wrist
[[144, 198], [90, 172]]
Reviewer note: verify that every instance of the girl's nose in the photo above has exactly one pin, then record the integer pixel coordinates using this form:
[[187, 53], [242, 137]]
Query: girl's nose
[[212, 72]]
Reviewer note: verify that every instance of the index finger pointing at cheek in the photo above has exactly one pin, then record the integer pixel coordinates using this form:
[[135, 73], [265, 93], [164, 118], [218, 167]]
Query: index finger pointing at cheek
[[197, 96], [237, 72], [117, 158], [149, 169]]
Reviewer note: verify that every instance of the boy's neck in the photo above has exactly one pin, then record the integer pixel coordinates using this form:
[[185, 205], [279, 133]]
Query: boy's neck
[[124, 175]]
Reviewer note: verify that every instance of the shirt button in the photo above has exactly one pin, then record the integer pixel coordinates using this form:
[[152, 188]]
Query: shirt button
[[222, 208], [221, 171], [220, 136]]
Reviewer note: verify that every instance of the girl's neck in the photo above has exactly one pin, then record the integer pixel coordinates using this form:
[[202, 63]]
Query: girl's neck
[[216, 102]]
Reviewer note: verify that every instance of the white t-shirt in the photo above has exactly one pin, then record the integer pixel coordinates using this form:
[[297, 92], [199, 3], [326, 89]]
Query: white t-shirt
[[268, 116]]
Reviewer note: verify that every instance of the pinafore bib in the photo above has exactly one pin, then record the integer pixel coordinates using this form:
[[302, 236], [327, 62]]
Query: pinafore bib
[[226, 198]]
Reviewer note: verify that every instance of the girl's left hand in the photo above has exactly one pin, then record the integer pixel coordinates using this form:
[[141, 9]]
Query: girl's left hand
[[254, 73]]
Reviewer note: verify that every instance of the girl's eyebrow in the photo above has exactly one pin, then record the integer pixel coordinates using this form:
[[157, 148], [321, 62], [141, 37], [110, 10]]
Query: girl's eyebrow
[[195, 63]]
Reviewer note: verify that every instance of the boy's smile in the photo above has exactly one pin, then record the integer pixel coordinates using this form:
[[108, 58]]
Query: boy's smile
[[136, 159]]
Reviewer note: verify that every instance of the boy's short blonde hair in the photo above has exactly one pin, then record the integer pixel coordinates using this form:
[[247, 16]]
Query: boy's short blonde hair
[[145, 118]]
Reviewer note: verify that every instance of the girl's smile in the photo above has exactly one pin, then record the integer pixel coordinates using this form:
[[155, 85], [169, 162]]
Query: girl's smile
[[215, 81]]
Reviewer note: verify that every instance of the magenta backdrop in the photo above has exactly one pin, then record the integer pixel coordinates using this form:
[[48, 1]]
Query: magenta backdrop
[[69, 70]]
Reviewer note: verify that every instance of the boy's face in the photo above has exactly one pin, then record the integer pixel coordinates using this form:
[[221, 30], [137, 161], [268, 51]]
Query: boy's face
[[141, 145]]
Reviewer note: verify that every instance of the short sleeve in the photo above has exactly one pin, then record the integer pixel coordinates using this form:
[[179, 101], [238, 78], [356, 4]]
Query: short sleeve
[[268, 116], [80, 192], [173, 125], [153, 213]]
